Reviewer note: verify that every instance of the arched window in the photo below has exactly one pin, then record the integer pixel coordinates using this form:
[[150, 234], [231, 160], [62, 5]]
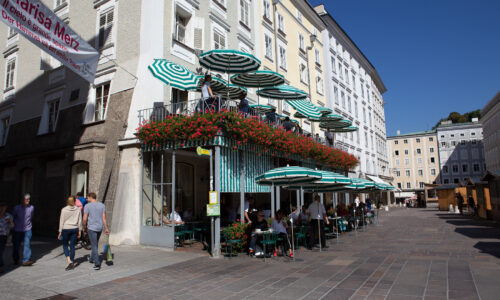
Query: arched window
[[79, 178]]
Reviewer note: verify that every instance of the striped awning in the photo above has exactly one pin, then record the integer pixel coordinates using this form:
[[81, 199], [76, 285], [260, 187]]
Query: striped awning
[[229, 61], [288, 176], [331, 118], [261, 107], [231, 91], [337, 124], [306, 108], [328, 179], [174, 74], [258, 79], [325, 110], [344, 129], [216, 83], [283, 92]]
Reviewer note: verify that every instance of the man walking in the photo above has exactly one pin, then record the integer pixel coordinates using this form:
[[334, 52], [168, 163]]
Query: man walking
[[23, 213], [317, 212], [94, 220]]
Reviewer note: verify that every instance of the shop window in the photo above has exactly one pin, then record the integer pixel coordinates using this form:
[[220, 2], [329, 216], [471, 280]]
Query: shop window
[[79, 178]]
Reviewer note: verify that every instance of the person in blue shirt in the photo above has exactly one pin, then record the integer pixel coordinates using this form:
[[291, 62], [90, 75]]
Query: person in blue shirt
[[82, 199], [243, 106]]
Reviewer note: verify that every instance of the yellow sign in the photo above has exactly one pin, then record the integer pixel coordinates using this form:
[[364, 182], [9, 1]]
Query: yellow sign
[[213, 210], [202, 151], [212, 198]]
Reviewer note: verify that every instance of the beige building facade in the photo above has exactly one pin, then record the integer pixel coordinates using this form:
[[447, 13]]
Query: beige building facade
[[415, 159], [490, 118]]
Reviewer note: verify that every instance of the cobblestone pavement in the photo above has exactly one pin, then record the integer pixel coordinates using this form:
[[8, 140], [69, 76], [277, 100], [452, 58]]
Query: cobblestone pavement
[[411, 254]]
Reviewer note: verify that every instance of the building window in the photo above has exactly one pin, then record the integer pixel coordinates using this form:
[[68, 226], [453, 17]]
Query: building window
[[407, 173], [336, 94], [349, 107], [419, 151], [11, 33], [433, 160], [60, 2], [302, 44], [342, 96], [455, 180], [396, 142], [406, 152], [282, 57], [396, 152], [356, 108], [219, 40], [319, 85], [399, 185], [180, 28], [472, 133], [281, 23], [10, 73], [299, 16], [465, 168], [420, 172], [433, 172], [353, 83], [244, 12], [268, 42], [397, 161], [407, 161], [418, 140], [366, 139], [405, 141], [303, 73], [53, 114], [455, 168], [443, 144], [346, 76], [267, 10], [446, 181], [4, 130], [105, 28], [431, 149], [79, 178], [101, 102], [419, 160], [445, 169], [431, 139], [421, 185], [476, 167], [334, 66], [398, 173], [408, 185], [364, 114]]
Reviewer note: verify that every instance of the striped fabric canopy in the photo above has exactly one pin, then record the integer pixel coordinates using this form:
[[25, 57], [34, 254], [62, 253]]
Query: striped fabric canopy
[[258, 79], [344, 129], [216, 84], [331, 118], [229, 61], [261, 107], [367, 183], [231, 91], [306, 108], [288, 175], [383, 186], [328, 179], [337, 124], [325, 110], [283, 91], [298, 115], [174, 74]]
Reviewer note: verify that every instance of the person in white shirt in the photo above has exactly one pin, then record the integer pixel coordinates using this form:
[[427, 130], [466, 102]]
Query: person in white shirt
[[357, 202], [294, 215], [176, 217], [249, 211], [317, 213], [279, 226]]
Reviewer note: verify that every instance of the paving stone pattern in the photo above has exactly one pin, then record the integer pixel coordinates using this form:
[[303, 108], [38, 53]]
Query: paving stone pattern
[[411, 254]]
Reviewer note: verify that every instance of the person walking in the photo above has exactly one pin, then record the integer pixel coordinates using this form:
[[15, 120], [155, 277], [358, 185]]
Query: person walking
[[70, 226], [317, 213], [23, 214], [460, 203], [94, 221], [472, 205], [6, 224]]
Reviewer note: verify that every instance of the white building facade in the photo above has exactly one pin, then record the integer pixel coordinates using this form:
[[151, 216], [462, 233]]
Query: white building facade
[[461, 152], [490, 118], [354, 90]]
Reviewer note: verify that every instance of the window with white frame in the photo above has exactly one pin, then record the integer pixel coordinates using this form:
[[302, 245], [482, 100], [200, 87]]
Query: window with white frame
[[356, 108], [433, 172], [340, 72], [397, 162], [336, 94], [11, 33], [60, 2], [181, 23], [303, 73], [354, 83], [370, 118], [431, 149], [398, 173], [420, 172], [342, 97], [281, 23], [101, 101], [299, 16], [364, 114], [10, 73], [219, 40], [362, 91], [476, 168], [268, 42], [366, 139], [4, 130], [317, 59], [53, 114], [346, 71], [106, 20], [407, 173], [407, 161], [349, 106], [267, 9], [302, 44], [244, 12], [408, 185], [282, 57], [319, 84], [334, 66], [419, 160]]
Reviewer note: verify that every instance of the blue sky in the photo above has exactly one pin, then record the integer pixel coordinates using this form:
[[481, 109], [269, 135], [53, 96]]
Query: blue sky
[[433, 56]]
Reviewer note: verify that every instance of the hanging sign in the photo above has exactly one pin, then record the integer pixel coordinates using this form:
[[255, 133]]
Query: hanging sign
[[202, 151], [42, 27], [212, 197], [213, 210]]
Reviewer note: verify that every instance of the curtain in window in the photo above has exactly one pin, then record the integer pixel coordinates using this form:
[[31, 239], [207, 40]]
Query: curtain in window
[[79, 175]]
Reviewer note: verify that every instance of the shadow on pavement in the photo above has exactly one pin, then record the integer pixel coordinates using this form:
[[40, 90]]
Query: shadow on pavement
[[469, 222], [492, 248], [479, 233]]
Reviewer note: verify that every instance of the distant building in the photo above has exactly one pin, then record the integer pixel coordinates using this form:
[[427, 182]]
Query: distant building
[[490, 118], [415, 159], [461, 153]]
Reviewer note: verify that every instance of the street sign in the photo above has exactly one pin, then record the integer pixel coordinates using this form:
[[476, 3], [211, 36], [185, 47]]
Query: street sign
[[213, 210], [202, 151], [212, 198]]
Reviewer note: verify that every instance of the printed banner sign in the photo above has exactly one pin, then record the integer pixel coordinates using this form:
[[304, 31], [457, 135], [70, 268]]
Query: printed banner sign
[[42, 27]]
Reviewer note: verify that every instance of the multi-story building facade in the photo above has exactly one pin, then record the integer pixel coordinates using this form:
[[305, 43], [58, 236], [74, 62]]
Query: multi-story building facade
[[490, 118], [354, 90], [415, 159], [290, 43], [461, 152]]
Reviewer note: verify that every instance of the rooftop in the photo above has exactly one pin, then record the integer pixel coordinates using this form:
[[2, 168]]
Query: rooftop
[[417, 133], [471, 124]]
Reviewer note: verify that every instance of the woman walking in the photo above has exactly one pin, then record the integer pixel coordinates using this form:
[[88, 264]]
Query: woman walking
[[70, 226]]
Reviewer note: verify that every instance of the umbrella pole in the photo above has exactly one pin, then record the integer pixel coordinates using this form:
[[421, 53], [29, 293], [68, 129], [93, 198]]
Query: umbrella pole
[[291, 221]]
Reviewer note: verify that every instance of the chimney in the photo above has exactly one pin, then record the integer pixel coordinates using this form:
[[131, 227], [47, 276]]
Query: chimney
[[398, 132]]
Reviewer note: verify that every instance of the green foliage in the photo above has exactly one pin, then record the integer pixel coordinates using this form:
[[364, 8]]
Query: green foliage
[[456, 117]]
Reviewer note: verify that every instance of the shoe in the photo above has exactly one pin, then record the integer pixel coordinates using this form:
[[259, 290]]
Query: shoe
[[97, 268], [29, 263], [70, 266]]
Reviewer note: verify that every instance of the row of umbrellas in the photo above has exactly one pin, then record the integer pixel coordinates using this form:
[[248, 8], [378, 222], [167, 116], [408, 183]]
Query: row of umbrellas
[[245, 67]]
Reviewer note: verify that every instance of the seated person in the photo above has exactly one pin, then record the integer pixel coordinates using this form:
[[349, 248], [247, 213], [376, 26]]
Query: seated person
[[271, 116], [261, 224], [288, 125], [294, 215], [176, 217], [303, 217], [243, 106], [279, 226]]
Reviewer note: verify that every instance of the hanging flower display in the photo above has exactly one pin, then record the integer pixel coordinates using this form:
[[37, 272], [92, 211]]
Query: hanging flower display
[[243, 130]]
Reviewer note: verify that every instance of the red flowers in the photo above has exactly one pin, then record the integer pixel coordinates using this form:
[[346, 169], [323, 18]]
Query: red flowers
[[243, 130]]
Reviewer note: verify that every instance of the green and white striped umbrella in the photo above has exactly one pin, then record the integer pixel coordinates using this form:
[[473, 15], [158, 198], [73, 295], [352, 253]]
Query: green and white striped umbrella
[[261, 107], [331, 118], [298, 115], [282, 92], [344, 129], [325, 110], [383, 186], [328, 179], [356, 185], [216, 83], [231, 91], [229, 61], [337, 124], [174, 74], [258, 79], [288, 176], [306, 108]]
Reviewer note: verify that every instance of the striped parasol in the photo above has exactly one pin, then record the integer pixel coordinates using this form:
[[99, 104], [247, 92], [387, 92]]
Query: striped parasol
[[288, 176], [229, 61], [261, 107], [258, 79], [328, 179], [344, 129], [174, 74], [231, 91], [337, 124], [331, 118], [325, 110], [298, 115], [305, 108], [216, 84], [284, 92]]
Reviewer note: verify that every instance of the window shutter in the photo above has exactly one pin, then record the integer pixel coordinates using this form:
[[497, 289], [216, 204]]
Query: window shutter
[[198, 38]]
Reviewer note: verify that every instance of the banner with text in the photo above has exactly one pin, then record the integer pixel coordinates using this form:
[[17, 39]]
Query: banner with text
[[41, 26]]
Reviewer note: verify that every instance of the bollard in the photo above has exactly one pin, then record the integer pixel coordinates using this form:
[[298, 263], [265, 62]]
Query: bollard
[[457, 211]]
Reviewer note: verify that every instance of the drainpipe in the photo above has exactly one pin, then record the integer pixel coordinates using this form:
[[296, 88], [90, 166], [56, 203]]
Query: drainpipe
[[312, 38], [275, 31]]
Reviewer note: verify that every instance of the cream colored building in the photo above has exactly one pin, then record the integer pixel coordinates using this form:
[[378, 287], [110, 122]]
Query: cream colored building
[[290, 43], [415, 159]]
